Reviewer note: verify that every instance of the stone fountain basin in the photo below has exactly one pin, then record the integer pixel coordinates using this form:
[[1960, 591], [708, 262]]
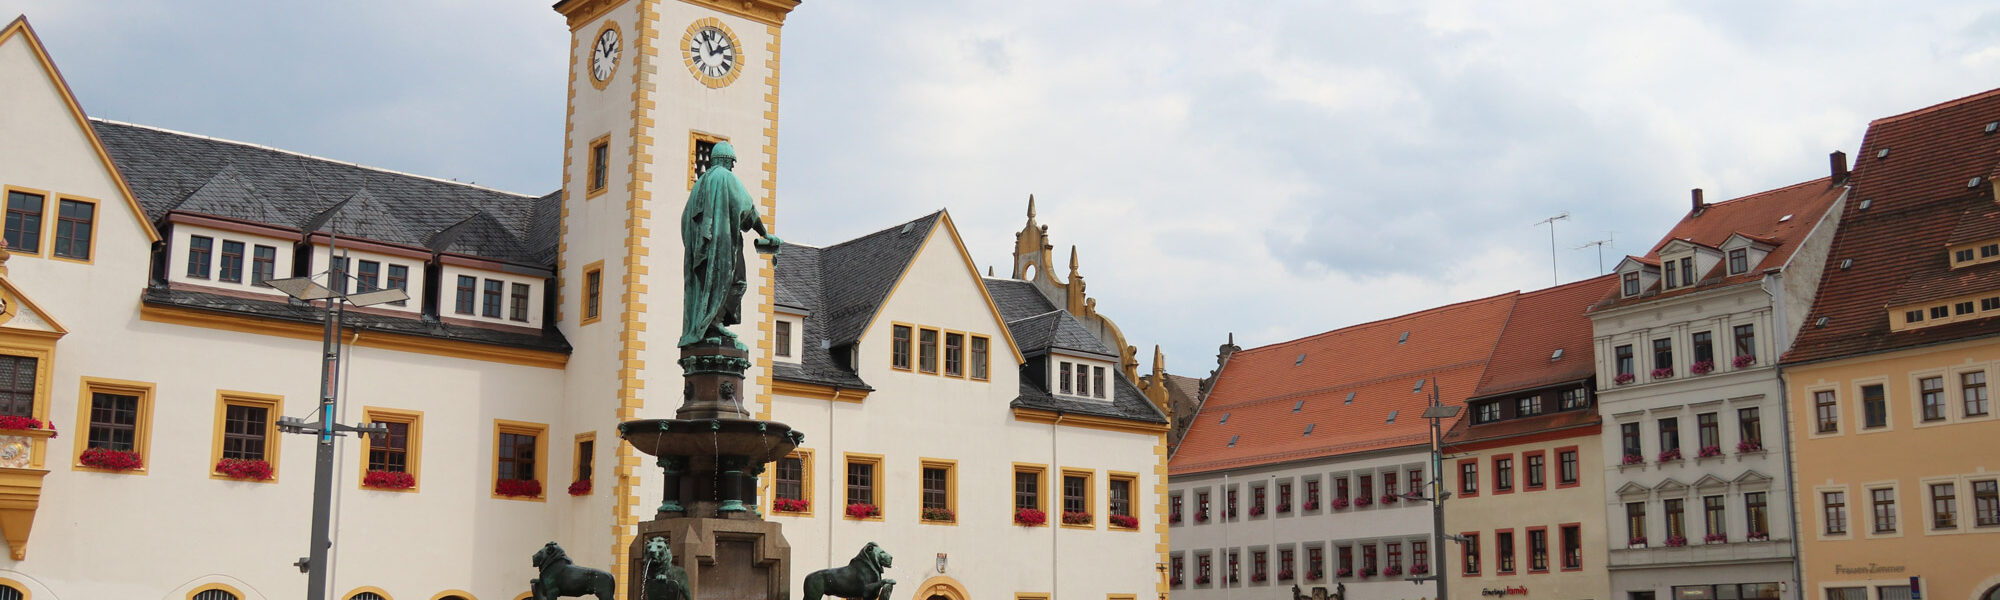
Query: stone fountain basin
[[702, 440]]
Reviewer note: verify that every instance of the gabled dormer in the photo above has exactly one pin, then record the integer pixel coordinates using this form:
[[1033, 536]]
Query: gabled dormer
[[1683, 263], [1742, 253], [1637, 274], [1976, 252]]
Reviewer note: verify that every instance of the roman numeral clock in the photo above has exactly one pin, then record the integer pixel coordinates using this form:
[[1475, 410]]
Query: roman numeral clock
[[712, 52], [604, 55]]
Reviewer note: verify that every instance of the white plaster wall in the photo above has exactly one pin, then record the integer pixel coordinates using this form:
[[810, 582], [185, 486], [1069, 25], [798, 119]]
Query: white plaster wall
[[448, 301], [1803, 272], [177, 263]]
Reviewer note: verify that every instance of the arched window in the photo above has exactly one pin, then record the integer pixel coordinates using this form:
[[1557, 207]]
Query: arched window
[[214, 594], [1992, 593], [366, 596], [9, 592]]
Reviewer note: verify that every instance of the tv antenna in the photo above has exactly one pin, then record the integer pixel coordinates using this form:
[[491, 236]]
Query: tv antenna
[[1551, 222], [1609, 238]]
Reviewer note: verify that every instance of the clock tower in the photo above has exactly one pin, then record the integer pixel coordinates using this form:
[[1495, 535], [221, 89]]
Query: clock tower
[[653, 84]]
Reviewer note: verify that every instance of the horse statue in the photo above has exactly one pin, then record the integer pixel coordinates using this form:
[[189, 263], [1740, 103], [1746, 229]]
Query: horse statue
[[861, 579], [664, 580], [561, 578]]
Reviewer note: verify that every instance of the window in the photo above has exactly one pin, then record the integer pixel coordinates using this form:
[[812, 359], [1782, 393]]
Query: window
[[1676, 513], [1973, 386], [247, 427], [1259, 567], [18, 379], [593, 292], [1097, 382], [1575, 398], [1628, 434], [1233, 570], [1913, 316], [1229, 497], [784, 339], [1739, 261], [1874, 407], [1394, 550], [791, 477], [1672, 279], [263, 265], [1120, 491], [1631, 284], [1714, 520], [1567, 461], [1285, 558], [1469, 553], [336, 274], [1468, 477], [1416, 481], [702, 157], [585, 471], [1488, 412], [1989, 250], [1687, 271], [217, 591], [1076, 498], [1503, 548], [936, 495], [1257, 498], [491, 306], [1635, 522], [1063, 377], [1202, 569], [1750, 428], [600, 165], [517, 307], [1826, 411], [1989, 303], [1663, 354], [1708, 427], [1537, 469], [863, 483], [1389, 484], [1315, 556], [954, 354], [1368, 559], [1670, 435], [1201, 504], [118, 419], [1538, 549], [1884, 502], [979, 356], [399, 279], [1986, 503], [398, 450], [1962, 255], [1931, 392], [468, 288], [232, 261], [1944, 505], [1528, 407], [368, 273], [199, 248], [1704, 348], [1746, 340], [1835, 504], [1503, 474], [24, 223], [518, 468], [899, 346], [1420, 557], [1340, 487], [1082, 379], [927, 351], [1624, 361], [1847, 593], [1028, 488], [1757, 513], [1179, 570]]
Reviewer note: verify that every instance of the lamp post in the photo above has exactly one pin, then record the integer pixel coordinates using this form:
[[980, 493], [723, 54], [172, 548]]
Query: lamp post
[[1436, 413], [323, 425]]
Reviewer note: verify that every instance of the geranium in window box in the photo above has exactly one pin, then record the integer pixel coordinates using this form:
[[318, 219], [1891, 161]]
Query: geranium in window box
[[1368, 571], [1232, 578], [1076, 517], [1201, 517], [1257, 510], [580, 487], [1715, 538], [1315, 575], [20, 423], [111, 460], [790, 505], [1709, 451], [939, 514], [388, 480], [1174, 518], [1031, 517], [1360, 501], [1338, 503], [863, 510], [1344, 572], [1284, 508], [518, 488], [1676, 542], [237, 468], [1624, 378], [1744, 361], [1636, 542], [1633, 459], [1748, 446], [1257, 578], [1125, 521], [1393, 570], [1701, 367], [1670, 454], [1420, 569], [1663, 373], [1388, 498], [1758, 537], [1285, 575], [1176, 580], [1312, 505], [1201, 580]]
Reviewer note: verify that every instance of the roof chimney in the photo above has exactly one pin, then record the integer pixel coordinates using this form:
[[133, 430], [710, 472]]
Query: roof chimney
[[1838, 162], [1698, 204]]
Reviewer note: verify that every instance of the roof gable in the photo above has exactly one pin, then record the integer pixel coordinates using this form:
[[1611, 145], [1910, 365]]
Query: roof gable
[[20, 32]]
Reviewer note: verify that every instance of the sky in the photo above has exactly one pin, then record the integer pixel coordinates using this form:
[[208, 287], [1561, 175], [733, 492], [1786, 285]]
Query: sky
[[1267, 169]]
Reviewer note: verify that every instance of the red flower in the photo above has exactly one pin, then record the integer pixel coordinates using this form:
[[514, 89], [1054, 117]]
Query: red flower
[[518, 488], [389, 480], [237, 468], [789, 505], [1029, 516], [863, 510], [1076, 517], [13, 422], [580, 487], [111, 460], [1125, 521], [939, 514]]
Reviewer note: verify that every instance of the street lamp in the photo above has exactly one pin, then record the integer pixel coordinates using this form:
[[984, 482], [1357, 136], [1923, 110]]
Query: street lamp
[[1437, 413], [323, 424]]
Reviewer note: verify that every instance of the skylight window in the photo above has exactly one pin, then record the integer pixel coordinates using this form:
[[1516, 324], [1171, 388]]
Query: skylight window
[[1300, 361], [1232, 440], [1883, 153], [1866, 202], [1309, 428], [1992, 127], [907, 227], [1820, 323], [1405, 338], [1392, 416], [1225, 419], [1784, 218], [1556, 356], [1420, 386], [1350, 398], [1972, 184], [1845, 263], [1299, 406]]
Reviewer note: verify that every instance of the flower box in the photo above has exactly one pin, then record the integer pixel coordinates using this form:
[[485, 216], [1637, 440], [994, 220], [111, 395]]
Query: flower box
[[1670, 454], [1393, 570], [1257, 578], [388, 480], [1339, 503], [13, 422], [1676, 542], [863, 510], [1368, 572], [518, 488], [1031, 517], [1174, 518], [1312, 505], [580, 487], [1201, 517], [1257, 511], [1202, 580], [1709, 451], [1077, 517], [1637, 542], [1420, 569], [939, 514], [1344, 572], [1624, 378], [1285, 575], [1701, 367], [1363, 501], [1125, 521], [1284, 508], [1663, 373], [1715, 538], [790, 505], [1758, 537], [1747, 447], [237, 468], [1315, 575], [1634, 459], [1744, 361], [1177, 580], [111, 460], [1388, 498]]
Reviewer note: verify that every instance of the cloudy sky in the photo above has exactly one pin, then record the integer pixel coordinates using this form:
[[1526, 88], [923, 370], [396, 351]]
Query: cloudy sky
[[1273, 169]]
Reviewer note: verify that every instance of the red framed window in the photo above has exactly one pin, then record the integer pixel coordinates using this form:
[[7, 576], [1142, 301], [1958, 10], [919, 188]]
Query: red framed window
[[1572, 546], [1503, 474], [1503, 551], [1538, 549], [1468, 552], [1568, 471]]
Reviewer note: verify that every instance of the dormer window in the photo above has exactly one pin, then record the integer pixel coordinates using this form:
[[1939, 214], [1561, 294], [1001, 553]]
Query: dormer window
[[1687, 271], [1085, 380], [1739, 261], [1631, 284], [784, 341], [1964, 255], [1671, 272], [1488, 412]]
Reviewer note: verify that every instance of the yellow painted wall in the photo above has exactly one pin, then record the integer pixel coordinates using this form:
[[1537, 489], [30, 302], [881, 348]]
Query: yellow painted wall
[[1551, 506]]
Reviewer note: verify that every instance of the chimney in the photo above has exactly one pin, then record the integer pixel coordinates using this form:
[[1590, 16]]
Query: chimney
[[1838, 162], [1698, 204]]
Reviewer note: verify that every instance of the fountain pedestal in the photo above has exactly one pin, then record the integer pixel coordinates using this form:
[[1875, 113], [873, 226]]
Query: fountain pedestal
[[711, 454]]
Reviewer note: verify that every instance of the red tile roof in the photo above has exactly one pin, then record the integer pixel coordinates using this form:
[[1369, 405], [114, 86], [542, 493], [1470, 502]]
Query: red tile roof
[[1760, 216], [1258, 388], [1542, 322], [1918, 196]]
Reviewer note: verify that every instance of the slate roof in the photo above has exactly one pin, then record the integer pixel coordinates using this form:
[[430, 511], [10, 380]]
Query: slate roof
[[548, 339], [1542, 322], [1761, 216], [1250, 419], [798, 286], [1919, 196], [173, 171], [1038, 327], [1127, 402]]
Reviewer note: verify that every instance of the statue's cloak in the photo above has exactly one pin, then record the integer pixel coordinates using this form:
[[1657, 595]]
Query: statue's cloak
[[712, 238]]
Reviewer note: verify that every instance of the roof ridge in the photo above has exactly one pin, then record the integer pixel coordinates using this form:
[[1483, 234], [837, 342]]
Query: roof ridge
[[1035, 316], [883, 230], [318, 158], [1771, 191], [1936, 107], [1382, 321], [1563, 287]]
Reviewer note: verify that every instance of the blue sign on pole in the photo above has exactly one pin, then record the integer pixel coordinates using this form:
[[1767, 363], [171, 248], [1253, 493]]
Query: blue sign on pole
[[1916, 589]]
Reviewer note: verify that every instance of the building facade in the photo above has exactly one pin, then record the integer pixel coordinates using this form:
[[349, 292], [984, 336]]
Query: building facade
[[1896, 442], [1695, 475]]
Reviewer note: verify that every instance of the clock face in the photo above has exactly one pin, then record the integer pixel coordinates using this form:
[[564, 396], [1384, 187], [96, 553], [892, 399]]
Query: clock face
[[712, 52], [604, 55]]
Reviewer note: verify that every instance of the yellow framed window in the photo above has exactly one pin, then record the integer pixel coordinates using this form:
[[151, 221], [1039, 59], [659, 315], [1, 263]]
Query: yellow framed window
[[1079, 499], [520, 468], [792, 484], [593, 292], [978, 356], [115, 426], [927, 350], [701, 150], [599, 173], [394, 459], [899, 346], [864, 486], [25, 209], [954, 354], [583, 473], [937, 490], [75, 229], [1120, 493], [1030, 508], [246, 436]]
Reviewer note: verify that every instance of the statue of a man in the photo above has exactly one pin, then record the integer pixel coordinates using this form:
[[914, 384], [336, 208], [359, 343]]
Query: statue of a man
[[718, 211]]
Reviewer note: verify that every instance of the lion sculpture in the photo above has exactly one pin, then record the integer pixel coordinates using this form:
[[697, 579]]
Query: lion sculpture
[[561, 578], [861, 579], [664, 580]]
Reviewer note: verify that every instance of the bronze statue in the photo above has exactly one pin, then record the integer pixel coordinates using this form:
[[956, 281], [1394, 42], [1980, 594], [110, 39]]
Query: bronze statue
[[560, 578], [718, 211], [861, 579], [664, 580]]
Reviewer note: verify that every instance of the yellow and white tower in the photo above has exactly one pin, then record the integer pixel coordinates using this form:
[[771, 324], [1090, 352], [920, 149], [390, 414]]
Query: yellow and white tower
[[653, 84]]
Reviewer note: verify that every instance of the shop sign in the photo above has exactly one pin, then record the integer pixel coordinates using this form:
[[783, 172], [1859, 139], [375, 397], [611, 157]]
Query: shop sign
[[1505, 591], [1869, 569]]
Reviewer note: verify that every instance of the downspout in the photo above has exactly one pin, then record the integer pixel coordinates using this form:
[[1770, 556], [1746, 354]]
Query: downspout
[[1055, 529], [831, 519], [1785, 413]]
